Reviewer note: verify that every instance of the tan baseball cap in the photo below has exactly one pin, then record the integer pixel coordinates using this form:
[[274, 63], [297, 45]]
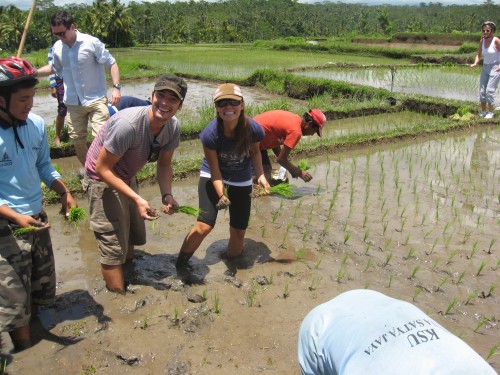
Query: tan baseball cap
[[228, 91]]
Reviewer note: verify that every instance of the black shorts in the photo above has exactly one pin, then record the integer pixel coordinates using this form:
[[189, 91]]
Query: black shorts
[[265, 157], [239, 210]]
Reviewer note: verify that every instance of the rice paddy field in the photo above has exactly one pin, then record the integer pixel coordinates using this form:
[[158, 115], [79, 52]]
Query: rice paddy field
[[415, 217]]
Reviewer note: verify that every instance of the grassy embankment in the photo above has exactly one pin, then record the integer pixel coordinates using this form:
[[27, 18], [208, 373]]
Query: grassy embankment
[[244, 64]]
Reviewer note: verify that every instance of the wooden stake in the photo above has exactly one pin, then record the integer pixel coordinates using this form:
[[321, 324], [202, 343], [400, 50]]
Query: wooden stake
[[26, 27]]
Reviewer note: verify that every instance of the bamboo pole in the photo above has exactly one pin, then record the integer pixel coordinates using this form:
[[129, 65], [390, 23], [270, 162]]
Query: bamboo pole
[[26, 27]]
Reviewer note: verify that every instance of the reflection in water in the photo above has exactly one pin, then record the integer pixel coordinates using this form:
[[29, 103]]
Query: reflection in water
[[450, 83]]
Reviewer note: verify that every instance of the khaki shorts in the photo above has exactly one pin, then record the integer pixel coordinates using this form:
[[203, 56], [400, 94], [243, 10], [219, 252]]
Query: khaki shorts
[[79, 116], [115, 221], [27, 275]]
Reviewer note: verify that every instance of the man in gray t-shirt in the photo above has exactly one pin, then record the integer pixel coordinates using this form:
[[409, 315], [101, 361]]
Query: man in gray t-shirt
[[129, 140]]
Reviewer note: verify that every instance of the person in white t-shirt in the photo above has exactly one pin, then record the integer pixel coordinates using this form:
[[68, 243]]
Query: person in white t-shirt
[[366, 332]]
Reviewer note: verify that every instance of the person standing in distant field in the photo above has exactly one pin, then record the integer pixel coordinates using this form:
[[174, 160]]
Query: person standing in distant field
[[79, 59], [283, 132], [57, 91], [489, 50], [231, 148]]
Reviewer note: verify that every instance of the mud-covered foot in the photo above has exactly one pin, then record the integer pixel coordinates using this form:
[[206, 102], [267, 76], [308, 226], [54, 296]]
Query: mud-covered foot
[[182, 260]]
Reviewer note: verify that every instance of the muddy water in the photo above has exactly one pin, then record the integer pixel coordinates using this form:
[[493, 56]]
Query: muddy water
[[199, 95], [457, 83], [413, 220]]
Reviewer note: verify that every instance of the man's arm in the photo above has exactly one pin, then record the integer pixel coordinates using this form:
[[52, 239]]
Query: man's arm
[[294, 170], [115, 78], [44, 71]]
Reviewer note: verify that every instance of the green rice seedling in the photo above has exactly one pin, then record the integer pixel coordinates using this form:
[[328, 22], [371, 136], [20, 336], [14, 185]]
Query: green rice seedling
[[347, 236], [344, 225], [452, 255], [400, 191], [283, 189], [435, 264], [365, 220], [474, 249], [366, 234], [384, 227], [388, 259], [315, 283], [251, 296], [471, 297], [76, 215], [300, 253], [276, 214], [216, 304], [467, 235], [461, 277], [270, 279], [318, 262], [428, 233], [497, 264], [340, 274], [368, 247], [204, 294], [414, 271], [492, 289], [189, 210], [391, 277], [263, 231], [492, 242], [406, 240], [303, 165], [305, 235], [443, 281], [451, 306], [403, 223], [387, 244], [411, 253], [286, 292], [480, 269], [369, 263], [495, 349], [20, 231], [384, 215], [416, 293], [424, 217], [326, 228]]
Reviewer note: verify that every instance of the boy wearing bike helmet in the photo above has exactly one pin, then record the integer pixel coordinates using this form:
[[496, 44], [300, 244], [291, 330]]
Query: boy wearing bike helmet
[[27, 274]]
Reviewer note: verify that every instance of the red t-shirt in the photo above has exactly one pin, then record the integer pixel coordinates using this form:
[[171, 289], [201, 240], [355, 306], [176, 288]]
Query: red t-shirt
[[281, 127]]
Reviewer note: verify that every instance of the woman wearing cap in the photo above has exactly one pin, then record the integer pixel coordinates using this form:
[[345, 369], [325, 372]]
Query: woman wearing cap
[[231, 147], [489, 49]]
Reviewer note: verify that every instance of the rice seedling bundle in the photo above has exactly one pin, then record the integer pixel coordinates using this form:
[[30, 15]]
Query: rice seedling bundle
[[20, 231], [76, 215], [188, 210], [303, 165], [284, 189]]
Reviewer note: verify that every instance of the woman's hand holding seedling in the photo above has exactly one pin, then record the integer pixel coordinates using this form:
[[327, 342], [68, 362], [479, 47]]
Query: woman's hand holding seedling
[[262, 181], [26, 221], [145, 210], [223, 203]]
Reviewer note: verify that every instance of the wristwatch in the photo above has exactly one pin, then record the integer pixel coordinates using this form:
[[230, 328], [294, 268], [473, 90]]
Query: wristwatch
[[117, 86]]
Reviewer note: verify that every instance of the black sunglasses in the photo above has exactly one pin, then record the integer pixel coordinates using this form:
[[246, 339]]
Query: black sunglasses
[[154, 152], [60, 33], [225, 102]]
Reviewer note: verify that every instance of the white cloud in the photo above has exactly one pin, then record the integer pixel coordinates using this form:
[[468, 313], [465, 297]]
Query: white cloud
[[26, 4]]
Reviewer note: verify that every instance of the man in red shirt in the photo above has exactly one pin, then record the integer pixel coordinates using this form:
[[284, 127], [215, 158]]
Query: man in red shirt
[[283, 132]]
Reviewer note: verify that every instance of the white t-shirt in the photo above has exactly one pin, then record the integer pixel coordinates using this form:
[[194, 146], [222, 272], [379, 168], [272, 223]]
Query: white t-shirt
[[365, 332]]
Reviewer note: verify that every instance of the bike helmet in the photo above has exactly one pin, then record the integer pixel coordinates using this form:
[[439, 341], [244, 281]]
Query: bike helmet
[[490, 24], [14, 70]]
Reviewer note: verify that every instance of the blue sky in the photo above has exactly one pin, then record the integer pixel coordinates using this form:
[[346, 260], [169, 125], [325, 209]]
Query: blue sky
[[26, 4]]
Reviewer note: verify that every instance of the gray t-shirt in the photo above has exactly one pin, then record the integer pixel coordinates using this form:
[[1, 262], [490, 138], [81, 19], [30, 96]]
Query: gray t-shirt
[[128, 135]]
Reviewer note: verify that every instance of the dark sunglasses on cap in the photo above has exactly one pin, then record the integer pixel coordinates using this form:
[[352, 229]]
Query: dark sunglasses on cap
[[225, 102], [154, 152], [60, 34]]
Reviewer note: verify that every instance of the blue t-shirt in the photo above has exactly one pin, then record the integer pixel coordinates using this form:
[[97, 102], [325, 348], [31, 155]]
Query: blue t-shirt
[[366, 332], [235, 170]]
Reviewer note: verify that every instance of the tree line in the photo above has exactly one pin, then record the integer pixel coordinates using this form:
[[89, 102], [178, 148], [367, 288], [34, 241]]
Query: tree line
[[239, 21]]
